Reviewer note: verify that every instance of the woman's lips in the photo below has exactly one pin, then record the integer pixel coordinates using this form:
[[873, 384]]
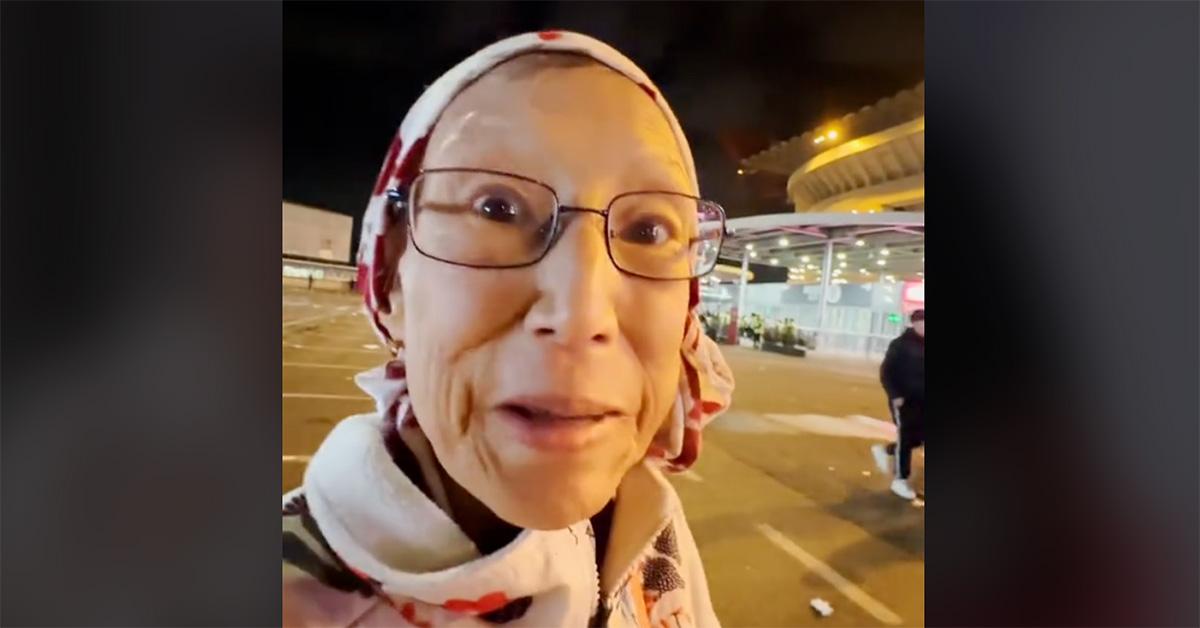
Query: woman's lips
[[560, 406], [556, 422]]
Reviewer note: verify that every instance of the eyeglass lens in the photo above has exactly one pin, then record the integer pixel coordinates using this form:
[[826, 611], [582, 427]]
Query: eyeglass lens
[[492, 220]]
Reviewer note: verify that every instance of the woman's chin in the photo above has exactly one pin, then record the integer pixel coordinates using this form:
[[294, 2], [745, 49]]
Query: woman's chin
[[548, 477], [552, 501]]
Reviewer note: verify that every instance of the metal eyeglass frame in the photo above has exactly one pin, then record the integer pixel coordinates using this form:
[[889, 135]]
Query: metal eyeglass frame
[[400, 199]]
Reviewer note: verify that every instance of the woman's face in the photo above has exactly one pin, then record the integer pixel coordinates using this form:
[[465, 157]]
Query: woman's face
[[539, 387]]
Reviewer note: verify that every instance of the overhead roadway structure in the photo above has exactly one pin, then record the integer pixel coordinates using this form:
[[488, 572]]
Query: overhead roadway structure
[[872, 160], [828, 248], [872, 247], [724, 273]]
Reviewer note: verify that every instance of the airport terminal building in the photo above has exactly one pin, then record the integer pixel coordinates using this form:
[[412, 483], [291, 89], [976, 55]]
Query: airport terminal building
[[316, 248], [854, 245]]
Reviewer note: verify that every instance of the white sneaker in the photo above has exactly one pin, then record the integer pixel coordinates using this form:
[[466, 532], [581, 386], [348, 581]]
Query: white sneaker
[[901, 488], [882, 459]]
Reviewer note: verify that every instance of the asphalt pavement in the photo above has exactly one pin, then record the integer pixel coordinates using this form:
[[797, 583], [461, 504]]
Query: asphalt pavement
[[785, 501]]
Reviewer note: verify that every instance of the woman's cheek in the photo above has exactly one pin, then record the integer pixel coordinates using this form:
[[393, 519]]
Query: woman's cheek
[[455, 308], [453, 319], [656, 316]]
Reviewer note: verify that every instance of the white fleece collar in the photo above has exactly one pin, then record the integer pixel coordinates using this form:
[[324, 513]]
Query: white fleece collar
[[385, 528]]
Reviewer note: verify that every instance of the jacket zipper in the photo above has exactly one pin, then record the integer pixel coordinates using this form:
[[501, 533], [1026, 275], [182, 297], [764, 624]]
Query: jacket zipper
[[606, 603], [598, 602]]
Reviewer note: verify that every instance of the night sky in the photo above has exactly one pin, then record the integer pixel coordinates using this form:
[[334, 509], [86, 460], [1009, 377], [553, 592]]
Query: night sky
[[740, 76]]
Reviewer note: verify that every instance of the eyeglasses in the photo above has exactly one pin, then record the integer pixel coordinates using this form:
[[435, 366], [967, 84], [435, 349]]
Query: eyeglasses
[[489, 219]]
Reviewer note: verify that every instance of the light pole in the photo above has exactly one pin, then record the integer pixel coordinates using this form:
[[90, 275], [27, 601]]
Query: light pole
[[826, 271], [741, 307]]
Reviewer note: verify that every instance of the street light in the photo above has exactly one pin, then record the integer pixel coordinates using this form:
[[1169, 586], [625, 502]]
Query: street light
[[859, 243], [749, 247], [783, 241]]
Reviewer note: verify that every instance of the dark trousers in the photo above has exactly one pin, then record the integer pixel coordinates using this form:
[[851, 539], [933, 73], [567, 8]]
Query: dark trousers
[[910, 429]]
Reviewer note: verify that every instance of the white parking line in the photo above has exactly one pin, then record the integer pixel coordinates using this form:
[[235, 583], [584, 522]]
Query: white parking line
[[378, 352], [324, 396], [312, 319], [854, 426], [844, 586], [324, 335], [691, 475], [314, 365]]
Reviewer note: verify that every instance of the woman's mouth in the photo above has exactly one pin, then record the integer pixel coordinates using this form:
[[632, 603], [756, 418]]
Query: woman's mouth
[[533, 413], [556, 423]]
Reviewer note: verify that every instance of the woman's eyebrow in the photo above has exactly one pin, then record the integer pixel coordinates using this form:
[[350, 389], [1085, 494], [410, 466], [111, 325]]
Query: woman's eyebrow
[[465, 131], [495, 155], [658, 171]]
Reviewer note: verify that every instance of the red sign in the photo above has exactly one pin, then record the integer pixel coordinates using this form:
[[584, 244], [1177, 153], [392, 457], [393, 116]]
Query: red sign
[[912, 296], [914, 291]]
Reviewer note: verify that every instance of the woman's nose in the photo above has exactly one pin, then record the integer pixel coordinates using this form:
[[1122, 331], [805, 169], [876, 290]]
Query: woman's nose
[[577, 286]]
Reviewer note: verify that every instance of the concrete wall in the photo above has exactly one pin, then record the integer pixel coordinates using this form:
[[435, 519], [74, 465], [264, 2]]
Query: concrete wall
[[316, 233]]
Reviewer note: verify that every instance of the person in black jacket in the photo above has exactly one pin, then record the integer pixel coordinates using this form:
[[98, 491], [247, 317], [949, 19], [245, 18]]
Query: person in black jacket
[[903, 378]]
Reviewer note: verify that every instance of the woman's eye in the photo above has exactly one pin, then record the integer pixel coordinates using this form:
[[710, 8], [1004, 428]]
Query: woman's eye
[[646, 231], [497, 209]]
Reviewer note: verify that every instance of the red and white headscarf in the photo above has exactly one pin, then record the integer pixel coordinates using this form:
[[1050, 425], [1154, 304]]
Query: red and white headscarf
[[706, 382]]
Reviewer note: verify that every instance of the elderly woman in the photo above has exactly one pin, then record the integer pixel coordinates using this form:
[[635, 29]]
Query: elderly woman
[[531, 253]]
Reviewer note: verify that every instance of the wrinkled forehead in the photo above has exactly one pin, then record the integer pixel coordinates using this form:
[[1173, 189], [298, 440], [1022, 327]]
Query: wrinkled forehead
[[538, 114]]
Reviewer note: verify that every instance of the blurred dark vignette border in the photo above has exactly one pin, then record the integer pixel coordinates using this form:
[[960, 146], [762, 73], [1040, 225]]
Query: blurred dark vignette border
[[1064, 177], [140, 341], [140, 431]]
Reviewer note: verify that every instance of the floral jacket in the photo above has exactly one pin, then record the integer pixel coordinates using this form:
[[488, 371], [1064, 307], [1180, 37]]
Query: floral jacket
[[364, 546]]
